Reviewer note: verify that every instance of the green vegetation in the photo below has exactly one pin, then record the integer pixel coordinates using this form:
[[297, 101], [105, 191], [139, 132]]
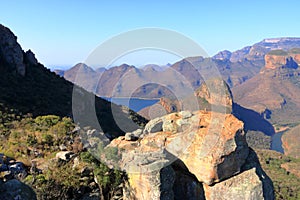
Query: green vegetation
[[43, 133], [295, 51], [286, 184], [278, 52], [39, 138]]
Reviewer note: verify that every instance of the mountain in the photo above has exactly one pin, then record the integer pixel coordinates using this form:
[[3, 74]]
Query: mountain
[[153, 67], [259, 50], [274, 91], [179, 79], [28, 87]]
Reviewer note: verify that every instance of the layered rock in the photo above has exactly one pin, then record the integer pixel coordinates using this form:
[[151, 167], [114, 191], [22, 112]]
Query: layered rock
[[279, 58]]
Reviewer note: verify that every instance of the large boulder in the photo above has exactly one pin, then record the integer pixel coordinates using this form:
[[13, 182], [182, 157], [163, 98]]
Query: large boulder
[[244, 186], [156, 185], [65, 155], [211, 147]]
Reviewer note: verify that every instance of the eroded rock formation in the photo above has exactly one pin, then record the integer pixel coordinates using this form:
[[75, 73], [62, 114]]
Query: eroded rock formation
[[195, 156]]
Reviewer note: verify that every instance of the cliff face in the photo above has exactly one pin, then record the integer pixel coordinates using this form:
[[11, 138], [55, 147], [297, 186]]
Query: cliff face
[[286, 60], [188, 155]]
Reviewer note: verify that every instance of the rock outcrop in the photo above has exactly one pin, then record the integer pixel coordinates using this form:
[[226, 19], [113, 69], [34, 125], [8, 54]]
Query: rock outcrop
[[216, 92], [279, 58], [251, 183], [11, 52], [193, 149], [242, 186]]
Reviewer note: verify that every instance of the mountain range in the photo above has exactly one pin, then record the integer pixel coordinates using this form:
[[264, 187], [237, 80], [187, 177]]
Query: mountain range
[[235, 68], [216, 164]]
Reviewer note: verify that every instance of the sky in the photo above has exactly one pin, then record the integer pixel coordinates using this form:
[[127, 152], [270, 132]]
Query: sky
[[63, 32]]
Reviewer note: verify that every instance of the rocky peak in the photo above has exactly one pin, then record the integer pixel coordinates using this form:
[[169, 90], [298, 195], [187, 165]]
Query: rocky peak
[[11, 53], [223, 55]]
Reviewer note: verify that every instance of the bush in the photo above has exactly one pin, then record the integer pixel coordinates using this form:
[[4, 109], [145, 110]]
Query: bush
[[47, 139]]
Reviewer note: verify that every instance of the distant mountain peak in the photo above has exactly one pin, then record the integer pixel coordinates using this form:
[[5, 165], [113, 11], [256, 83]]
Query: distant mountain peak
[[281, 39]]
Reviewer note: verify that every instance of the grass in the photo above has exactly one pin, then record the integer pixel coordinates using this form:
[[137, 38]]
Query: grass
[[286, 184], [278, 53], [295, 51]]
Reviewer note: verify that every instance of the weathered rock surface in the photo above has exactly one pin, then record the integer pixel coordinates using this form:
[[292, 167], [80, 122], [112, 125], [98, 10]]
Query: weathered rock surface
[[218, 149], [242, 186], [155, 185], [153, 126], [251, 183], [134, 135], [11, 51], [210, 146]]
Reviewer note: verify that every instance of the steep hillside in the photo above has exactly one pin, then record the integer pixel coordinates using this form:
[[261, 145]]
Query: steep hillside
[[28, 87]]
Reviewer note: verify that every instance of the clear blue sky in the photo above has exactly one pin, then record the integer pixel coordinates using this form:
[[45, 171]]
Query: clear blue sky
[[64, 32]]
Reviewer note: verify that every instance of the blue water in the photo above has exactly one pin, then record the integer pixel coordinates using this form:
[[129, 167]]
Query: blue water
[[134, 104], [276, 143]]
